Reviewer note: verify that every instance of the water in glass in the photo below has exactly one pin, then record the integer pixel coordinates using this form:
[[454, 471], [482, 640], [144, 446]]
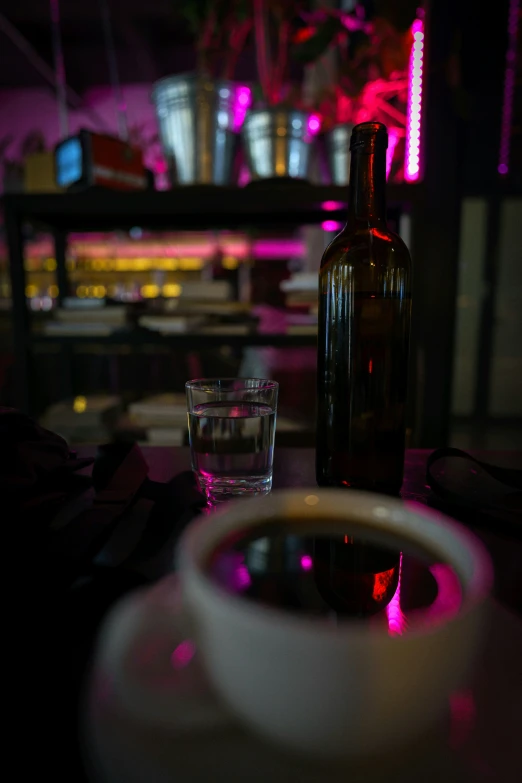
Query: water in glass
[[232, 446]]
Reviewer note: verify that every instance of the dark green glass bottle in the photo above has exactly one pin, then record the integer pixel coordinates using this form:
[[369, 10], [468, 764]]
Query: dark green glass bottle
[[364, 328]]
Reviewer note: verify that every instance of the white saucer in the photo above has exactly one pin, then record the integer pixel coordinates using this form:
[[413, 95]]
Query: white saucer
[[481, 740]]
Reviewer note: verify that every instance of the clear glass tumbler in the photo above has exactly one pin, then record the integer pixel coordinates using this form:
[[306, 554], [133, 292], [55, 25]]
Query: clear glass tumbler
[[232, 425]]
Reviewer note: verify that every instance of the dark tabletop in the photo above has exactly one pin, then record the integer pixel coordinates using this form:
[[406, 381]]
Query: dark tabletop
[[296, 468]]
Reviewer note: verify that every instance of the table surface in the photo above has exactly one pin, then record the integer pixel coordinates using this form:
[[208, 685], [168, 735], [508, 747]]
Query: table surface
[[125, 749], [296, 468]]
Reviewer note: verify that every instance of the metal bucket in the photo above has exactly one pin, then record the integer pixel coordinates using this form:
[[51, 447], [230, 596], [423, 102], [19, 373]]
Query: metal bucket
[[199, 119], [338, 149], [277, 142]]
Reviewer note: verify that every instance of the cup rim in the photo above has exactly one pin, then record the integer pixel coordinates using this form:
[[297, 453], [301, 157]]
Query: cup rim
[[200, 383], [437, 534]]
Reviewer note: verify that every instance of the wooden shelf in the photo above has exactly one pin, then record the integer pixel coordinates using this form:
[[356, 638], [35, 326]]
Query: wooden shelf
[[259, 204]]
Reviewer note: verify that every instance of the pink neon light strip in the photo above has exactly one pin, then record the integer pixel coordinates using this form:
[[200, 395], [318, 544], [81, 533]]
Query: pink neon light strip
[[509, 88], [412, 165], [393, 138], [396, 620]]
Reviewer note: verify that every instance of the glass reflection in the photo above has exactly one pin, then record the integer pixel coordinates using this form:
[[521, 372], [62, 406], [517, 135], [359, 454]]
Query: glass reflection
[[339, 577]]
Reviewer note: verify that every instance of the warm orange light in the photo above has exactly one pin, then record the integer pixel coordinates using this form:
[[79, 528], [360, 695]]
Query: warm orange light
[[150, 291], [380, 235], [190, 264], [381, 584], [80, 404], [171, 290], [229, 262], [370, 366]]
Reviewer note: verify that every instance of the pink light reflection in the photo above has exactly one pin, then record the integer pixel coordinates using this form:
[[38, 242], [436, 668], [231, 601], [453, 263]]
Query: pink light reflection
[[314, 124], [449, 593], [279, 248], [331, 206], [412, 169], [393, 138], [183, 654], [462, 717], [331, 225], [509, 88], [242, 103], [306, 562], [243, 579], [397, 622]]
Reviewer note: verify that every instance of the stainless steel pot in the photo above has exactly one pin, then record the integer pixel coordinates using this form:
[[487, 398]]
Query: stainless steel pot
[[338, 149], [277, 142], [199, 119]]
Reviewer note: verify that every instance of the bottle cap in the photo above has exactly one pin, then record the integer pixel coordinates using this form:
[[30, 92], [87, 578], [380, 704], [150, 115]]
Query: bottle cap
[[369, 136]]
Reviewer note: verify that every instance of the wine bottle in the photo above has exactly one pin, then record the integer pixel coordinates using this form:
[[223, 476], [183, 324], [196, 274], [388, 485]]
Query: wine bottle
[[354, 577], [364, 327]]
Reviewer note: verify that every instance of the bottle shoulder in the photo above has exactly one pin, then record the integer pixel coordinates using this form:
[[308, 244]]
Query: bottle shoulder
[[367, 245]]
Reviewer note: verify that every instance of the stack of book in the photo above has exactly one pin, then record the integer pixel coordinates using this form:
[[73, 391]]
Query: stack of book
[[162, 418], [83, 419], [89, 317], [301, 292]]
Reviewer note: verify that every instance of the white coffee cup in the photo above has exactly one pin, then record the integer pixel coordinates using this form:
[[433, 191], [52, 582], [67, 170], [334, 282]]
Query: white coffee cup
[[321, 689]]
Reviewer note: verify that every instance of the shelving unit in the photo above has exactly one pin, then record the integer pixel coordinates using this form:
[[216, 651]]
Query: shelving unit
[[267, 205]]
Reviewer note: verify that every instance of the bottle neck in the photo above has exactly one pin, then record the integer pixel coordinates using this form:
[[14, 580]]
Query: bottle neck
[[367, 190]]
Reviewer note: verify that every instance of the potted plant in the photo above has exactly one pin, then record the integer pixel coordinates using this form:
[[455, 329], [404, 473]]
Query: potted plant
[[199, 114], [371, 53], [277, 133]]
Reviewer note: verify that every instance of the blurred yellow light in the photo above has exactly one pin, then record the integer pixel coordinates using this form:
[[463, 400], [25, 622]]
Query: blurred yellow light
[[171, 289], [49, 264], [150, 291], [31, 291], [99, 291], [70, 264], [229, 262], [141, 264], [81, 292], [90, 291], [190, 264], [53, 291], [80, 404], [97, 264], [170, 264]]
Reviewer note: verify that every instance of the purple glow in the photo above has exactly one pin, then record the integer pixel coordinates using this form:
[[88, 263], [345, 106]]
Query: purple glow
[[277, 248], [243, 96], [183, 654], [449, 593], [397, 622], [314, 124], [331, 225], [331, 206], [462, 717], [393, 138], [242, 103], [243, 577], [509, 88], [412, 169], [306, 562]]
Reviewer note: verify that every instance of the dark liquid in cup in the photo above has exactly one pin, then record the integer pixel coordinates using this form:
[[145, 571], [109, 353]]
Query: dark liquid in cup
[[317, 570]]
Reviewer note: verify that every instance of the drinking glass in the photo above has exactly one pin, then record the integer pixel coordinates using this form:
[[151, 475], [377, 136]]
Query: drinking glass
[[231, 425]]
